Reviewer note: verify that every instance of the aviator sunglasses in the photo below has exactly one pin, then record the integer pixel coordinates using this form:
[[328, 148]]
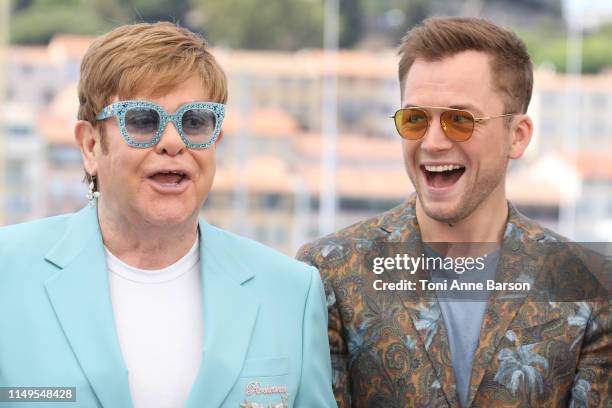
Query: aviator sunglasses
[[142, 123], [457, 124]]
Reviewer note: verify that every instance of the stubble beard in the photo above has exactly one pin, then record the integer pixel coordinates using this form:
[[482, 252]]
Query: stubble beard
[[469, 200]]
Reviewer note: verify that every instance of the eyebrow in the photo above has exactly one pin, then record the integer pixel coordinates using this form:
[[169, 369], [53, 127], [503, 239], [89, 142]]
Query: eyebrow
[[466, 106]]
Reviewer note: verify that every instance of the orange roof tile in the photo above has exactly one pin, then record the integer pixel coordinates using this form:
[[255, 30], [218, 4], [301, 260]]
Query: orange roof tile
[[63, 46]]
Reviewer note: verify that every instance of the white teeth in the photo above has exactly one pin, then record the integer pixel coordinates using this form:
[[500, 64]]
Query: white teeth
[[446, 167]]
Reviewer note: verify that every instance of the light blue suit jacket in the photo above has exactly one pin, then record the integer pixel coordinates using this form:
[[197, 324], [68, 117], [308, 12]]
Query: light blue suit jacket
[[265, 319]]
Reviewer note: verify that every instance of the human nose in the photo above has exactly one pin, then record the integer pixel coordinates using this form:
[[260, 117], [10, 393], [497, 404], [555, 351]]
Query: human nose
[[435, 140], [170, 142]]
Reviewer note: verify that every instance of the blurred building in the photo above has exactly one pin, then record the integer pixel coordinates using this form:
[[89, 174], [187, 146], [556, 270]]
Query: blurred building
[[37, 74], [573, 113], [268, 178], [24, 164], [292, 82]]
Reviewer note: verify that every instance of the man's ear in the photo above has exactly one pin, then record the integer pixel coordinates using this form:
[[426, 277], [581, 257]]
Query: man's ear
[[521, 131], [85, 136]]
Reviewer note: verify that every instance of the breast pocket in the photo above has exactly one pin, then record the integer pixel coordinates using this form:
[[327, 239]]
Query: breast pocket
[[264, 382], [265, 367]]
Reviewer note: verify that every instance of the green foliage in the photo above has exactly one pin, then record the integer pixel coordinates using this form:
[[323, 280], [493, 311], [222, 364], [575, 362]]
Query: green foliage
[[415, 12], [596, 53], [158, 10], [38, 24], [352, 24], [17, 5], [548, 48], [253, 24]]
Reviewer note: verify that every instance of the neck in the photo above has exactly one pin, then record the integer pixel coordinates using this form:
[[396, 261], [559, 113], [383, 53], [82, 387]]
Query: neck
[[486, 223], [143, 245]]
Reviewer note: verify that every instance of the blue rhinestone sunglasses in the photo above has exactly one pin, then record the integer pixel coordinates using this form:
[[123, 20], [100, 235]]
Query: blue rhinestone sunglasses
[[142, 123]]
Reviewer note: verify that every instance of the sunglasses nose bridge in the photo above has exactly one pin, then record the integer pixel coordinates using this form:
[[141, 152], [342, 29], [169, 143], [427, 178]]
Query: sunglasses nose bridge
[[432, 118], [167, 140], [436, 137]]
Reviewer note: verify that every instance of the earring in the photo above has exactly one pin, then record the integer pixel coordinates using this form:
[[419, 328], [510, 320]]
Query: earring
[[91, 194]]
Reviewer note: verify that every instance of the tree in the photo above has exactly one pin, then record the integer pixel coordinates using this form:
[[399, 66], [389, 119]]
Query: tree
[[37, 24], [351, 22], [159, 10], [275, 24], [36, 21]]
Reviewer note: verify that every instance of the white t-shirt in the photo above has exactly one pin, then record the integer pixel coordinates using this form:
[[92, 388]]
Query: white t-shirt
[[158, 315]]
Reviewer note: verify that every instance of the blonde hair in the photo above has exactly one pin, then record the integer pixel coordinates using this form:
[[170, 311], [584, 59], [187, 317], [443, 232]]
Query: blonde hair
[[144, 58], [440, 37]]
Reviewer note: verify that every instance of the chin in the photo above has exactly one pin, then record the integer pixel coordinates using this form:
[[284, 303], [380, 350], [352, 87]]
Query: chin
[[446, 217], [167, 215], [444, 211]]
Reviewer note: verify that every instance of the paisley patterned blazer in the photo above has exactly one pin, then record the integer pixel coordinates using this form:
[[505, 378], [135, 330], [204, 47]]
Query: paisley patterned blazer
[[390, 348]]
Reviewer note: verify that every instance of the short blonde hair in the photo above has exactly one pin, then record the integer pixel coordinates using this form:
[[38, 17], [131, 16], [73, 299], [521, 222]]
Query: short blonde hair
[[145, 58]]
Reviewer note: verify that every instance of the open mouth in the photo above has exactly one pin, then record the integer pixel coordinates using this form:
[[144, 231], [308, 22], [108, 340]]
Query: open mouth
[[169, 178], [442, 176]]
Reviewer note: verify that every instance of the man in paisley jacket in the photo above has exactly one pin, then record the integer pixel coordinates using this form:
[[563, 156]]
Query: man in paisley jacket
[[465, 87]]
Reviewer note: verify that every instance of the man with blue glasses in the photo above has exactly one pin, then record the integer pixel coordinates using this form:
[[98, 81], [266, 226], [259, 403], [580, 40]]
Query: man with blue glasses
[[135, 301]]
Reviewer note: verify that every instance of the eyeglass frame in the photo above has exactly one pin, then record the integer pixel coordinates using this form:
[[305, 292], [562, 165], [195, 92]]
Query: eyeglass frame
[[445, 109], [120, 108]]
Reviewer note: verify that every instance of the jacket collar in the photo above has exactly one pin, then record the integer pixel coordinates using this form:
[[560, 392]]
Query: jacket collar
[[80, 297], [230, 312]]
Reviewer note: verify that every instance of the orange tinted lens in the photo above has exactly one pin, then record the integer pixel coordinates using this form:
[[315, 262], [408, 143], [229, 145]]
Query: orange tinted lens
[[457, 125], [411, 123]]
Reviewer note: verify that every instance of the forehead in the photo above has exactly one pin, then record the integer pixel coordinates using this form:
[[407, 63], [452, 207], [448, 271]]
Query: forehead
[[464, 79], [171, 95]]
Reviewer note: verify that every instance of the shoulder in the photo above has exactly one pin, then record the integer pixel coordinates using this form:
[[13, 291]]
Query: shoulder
[[23, 248], [528, 229], [339, 246], [268, 264], [33, 236], [562, 262]]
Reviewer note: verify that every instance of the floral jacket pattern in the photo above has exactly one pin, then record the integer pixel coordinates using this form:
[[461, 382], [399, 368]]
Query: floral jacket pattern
[[390, 348]]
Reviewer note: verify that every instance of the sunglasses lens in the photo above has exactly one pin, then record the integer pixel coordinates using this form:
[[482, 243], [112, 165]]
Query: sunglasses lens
[[199, 125], [458, 125], [142, 124], [411, 123]]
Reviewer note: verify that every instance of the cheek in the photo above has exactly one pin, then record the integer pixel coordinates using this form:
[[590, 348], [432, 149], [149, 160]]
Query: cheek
[[126, 165], [124, 169], [206, 162], [486, 158], [408, 152]]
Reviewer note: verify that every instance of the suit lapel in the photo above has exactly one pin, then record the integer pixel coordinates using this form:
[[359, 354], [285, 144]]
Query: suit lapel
[[519, 262], [230, 312], [422, 305], [79, 295]]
